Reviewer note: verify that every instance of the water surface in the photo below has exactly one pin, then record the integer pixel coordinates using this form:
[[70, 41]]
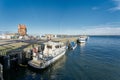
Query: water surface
[[98, 59]]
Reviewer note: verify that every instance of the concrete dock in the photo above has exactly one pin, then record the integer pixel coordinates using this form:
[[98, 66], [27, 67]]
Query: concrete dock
[[7, 46], [64, 40]]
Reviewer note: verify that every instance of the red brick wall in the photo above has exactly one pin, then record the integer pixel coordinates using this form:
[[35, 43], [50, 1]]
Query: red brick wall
[[22, 30]]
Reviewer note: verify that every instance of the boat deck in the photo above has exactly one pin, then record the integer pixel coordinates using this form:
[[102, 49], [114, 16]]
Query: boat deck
[[36, 62]]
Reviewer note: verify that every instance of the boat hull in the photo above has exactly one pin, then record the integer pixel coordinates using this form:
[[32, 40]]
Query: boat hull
[[75, 46], [47, 63], [72, 45], [81, 40]]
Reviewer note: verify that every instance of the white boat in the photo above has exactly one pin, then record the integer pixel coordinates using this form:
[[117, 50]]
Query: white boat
[[82, 39], [51, 53]]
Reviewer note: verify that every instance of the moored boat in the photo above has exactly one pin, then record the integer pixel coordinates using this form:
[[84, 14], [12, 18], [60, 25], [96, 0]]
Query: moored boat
[[82, 39], [51, 53], [72, 45]]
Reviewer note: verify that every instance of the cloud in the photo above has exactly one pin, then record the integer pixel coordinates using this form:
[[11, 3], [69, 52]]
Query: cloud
[[95, 8], [106, 29], [95, 31], [103, 31], [117, 5]]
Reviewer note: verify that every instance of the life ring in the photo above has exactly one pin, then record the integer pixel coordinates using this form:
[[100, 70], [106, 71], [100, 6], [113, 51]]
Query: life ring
[[35, 52]]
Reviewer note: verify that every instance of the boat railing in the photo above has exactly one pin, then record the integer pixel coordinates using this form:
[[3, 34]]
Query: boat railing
[[48, 56]]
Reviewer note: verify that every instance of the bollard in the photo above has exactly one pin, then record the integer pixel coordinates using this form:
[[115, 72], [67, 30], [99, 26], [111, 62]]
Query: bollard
[[1, 71], [6, 64], [20, 58]]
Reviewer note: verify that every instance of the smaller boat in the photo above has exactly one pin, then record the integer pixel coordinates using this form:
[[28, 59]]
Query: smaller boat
[[82, 39], [72, 45]]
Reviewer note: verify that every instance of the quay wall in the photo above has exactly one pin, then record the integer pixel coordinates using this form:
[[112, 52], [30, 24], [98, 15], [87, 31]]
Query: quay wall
[[18, 52]]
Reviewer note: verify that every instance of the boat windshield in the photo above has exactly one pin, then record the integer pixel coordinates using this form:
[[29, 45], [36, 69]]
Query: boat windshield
[[57, 46], [72, 44], [48, 46]]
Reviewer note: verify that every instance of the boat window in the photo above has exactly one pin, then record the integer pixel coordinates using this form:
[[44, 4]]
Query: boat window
[[57, 46], [48, 46], [42, 47]]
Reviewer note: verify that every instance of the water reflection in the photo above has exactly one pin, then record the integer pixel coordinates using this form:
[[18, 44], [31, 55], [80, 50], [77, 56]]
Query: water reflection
[[82, 44], [56, 67], [33, 74], [60, 63], [52, 71]]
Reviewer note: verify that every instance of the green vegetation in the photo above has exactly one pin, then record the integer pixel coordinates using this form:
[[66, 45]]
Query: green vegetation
[[4, 49]]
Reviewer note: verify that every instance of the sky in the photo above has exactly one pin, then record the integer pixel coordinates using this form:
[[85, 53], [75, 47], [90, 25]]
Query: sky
[[72, 17]]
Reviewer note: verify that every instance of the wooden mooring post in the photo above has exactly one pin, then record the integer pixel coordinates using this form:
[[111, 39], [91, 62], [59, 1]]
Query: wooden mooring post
[[1, 71]]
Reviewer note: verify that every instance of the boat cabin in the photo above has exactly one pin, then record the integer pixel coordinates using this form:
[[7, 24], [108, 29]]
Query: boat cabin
[[51, 48]]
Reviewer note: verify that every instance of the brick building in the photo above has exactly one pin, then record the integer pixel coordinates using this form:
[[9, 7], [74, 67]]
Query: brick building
[[22, 30]]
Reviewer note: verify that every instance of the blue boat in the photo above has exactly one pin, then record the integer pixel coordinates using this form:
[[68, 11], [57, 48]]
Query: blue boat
[[72, 45]]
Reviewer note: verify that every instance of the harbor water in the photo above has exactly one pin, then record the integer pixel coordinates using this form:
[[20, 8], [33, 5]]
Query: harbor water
[[97, 59]]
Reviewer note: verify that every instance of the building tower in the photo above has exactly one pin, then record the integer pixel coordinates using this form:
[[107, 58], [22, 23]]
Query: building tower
[[22, 30]]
